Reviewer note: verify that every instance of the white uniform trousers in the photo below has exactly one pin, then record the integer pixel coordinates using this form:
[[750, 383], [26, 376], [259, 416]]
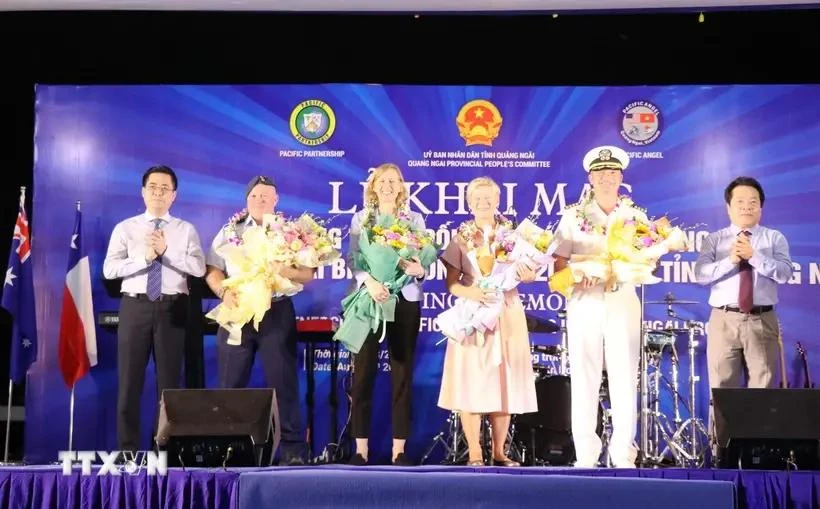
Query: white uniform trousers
[[604, 327]]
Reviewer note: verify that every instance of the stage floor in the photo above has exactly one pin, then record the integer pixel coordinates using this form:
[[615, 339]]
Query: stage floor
[[464, 487], [411, 487]]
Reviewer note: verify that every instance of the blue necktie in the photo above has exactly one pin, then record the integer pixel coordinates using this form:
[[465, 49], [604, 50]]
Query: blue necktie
[[154, 288]]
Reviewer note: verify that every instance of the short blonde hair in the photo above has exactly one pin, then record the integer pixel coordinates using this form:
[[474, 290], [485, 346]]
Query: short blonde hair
[[482, 182], [370, 197]]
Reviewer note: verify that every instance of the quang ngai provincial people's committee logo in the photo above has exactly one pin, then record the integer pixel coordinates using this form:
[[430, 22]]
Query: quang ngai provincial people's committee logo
[[479, 122], [312, 122], [640, 123]]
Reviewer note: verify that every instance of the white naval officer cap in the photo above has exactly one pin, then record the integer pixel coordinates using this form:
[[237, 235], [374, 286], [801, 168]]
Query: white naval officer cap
[[606, 157]]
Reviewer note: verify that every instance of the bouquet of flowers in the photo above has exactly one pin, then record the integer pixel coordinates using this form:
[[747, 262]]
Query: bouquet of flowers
[[383, 245], [634, 245], [497, 260], [255, 259]]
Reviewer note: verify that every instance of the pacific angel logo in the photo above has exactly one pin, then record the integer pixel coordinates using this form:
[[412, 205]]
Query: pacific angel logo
[[479, 122], [640, 123]]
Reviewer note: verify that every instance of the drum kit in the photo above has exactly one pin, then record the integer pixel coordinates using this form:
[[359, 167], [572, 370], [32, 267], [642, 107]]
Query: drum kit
[[682, 443], [668, 437]]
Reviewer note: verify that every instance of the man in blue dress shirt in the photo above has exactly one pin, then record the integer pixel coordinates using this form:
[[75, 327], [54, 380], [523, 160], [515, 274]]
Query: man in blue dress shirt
[[154, 254], [743, 264]]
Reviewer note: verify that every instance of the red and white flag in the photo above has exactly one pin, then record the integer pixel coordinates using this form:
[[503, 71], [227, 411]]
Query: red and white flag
[[78, 336]]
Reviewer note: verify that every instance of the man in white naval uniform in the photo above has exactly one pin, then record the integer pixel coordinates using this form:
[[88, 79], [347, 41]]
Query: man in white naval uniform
[[603, 320]]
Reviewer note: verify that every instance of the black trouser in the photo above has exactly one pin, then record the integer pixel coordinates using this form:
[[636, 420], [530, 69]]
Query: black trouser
[[401, 340], [276, 343], [147, 327]]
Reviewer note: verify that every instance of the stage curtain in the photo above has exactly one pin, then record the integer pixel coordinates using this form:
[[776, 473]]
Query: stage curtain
[[47, 488]]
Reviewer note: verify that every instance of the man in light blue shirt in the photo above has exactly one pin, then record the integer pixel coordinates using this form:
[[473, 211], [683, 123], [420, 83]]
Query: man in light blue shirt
[[743, 264], [154, 254]]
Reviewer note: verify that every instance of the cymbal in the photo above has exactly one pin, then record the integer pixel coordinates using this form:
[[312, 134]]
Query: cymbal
[[671, 301]]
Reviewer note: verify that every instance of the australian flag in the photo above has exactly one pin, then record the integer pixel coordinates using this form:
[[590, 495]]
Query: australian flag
[[18, 298]]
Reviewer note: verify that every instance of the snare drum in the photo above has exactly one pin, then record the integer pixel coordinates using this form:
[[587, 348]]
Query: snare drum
[[546, 360]]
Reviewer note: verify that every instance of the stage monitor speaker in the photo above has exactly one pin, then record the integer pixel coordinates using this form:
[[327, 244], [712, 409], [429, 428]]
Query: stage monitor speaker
[[218, 427], [774, 429], [547, 433]]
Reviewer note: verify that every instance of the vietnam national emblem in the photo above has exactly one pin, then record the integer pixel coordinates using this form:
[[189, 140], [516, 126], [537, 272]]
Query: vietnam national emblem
[[479, 122]]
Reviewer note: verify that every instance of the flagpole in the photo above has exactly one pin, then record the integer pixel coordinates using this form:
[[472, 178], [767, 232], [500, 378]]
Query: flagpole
[[8, 422], [11, 381], [71, 403], [71, 422]]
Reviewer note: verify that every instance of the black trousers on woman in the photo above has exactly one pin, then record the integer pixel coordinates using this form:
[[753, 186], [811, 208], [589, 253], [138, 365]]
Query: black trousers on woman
[[401, 340]]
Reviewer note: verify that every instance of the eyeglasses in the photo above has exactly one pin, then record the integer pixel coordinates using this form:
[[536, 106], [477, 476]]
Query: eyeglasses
[[153, 188]]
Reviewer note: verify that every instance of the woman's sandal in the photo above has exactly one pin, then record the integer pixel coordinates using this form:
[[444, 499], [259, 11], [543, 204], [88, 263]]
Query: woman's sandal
[[506, 462]]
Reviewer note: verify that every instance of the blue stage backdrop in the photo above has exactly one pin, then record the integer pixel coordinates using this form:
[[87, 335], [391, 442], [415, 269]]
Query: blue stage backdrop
[[687, 142]]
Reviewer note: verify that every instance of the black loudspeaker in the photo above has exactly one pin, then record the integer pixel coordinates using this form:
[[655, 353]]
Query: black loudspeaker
[[554, 403], [548, 432], [218, 427], [771, 429]]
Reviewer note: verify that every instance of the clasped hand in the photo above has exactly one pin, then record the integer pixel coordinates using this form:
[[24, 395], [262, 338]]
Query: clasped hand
[[483, 295], [155, 245], [412, 267], [588, 282], [377, 291], [741, 249], [525, 273], [380, 293], [229, 298], [288, 272]]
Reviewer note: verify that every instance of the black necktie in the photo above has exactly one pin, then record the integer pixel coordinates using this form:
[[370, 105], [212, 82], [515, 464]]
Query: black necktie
[[745, 297]]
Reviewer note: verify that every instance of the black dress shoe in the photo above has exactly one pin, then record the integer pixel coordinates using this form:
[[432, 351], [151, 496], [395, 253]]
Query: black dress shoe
[[357, 460], [402, 460], [295, 461], [293, 454]]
